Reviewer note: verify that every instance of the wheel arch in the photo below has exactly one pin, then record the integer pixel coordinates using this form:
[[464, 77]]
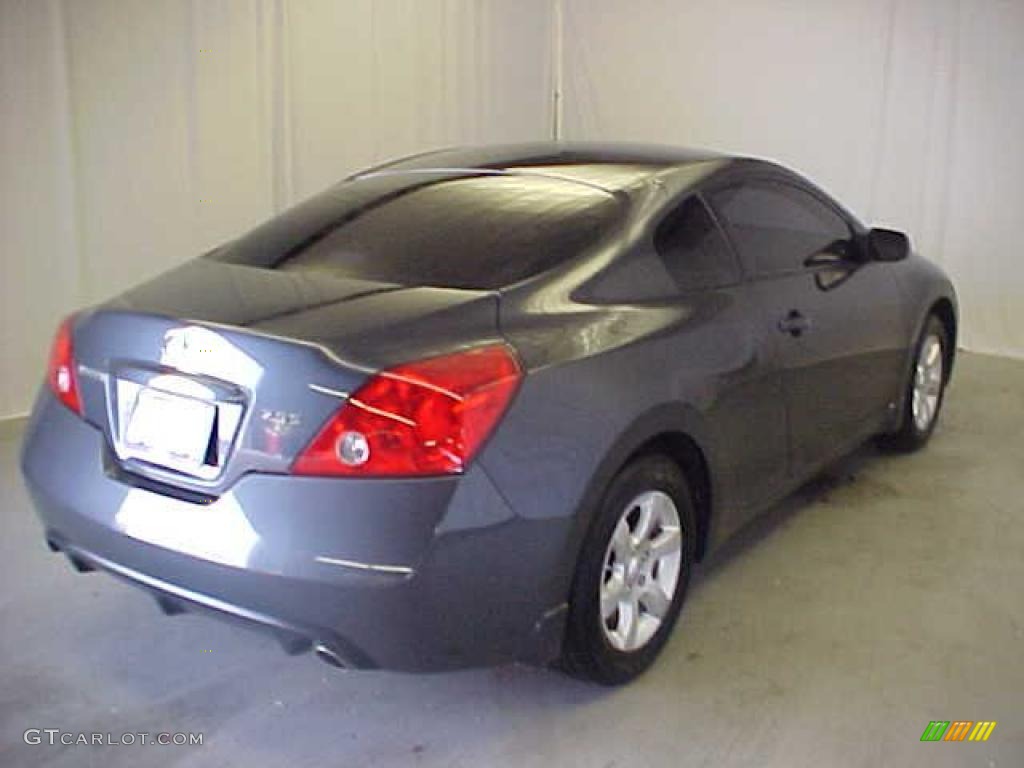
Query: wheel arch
[[678, 432], [684, 451], [939, 303], [944, 310]]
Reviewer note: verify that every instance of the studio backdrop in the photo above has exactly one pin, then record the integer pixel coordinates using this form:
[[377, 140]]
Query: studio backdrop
[[135, 135], [910, 111]]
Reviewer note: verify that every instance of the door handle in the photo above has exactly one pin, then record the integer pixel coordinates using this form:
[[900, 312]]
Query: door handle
[[794, 323]]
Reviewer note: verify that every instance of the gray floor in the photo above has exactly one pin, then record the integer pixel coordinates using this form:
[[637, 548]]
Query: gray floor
[[888, 594]]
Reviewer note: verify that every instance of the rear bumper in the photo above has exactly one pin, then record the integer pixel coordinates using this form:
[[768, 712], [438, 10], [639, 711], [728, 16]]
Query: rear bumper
[[414, 575]]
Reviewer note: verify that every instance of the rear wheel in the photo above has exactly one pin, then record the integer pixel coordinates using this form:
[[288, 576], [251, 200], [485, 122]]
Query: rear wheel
[[925, 389], [632, 574]]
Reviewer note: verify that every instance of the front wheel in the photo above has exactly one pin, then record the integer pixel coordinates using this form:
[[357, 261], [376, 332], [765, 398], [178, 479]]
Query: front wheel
[[632, 573], [925, 388]]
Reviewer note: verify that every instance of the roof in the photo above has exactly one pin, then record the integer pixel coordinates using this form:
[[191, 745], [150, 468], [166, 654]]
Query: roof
[[609, 166]]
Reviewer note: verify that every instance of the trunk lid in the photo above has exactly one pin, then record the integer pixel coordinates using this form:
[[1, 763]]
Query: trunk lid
[[215, 369]]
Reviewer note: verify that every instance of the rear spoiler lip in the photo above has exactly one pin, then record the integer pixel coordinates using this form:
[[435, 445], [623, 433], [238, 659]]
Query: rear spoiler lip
[[323, 349]]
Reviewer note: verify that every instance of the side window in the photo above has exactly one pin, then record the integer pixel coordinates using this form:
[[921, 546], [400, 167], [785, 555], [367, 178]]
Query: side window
[[693, 249], [779, 228]]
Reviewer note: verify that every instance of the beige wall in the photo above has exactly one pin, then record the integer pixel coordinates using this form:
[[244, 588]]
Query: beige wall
[[911, 111], [134, 135]]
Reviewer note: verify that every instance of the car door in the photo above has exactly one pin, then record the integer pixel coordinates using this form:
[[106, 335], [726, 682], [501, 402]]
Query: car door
[[831, 311], [728, 351]]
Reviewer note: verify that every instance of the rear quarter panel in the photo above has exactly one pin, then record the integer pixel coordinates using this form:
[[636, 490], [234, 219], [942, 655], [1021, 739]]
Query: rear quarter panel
[[602, 381]]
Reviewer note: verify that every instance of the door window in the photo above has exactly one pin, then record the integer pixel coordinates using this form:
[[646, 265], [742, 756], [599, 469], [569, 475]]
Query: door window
[[779, 228]]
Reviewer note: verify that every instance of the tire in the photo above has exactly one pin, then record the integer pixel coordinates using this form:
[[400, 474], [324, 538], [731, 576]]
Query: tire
[[613, 647], [914, 430]]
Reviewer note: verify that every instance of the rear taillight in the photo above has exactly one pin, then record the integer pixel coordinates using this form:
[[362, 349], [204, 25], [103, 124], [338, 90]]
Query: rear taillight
[[424, 418], [61, 373]]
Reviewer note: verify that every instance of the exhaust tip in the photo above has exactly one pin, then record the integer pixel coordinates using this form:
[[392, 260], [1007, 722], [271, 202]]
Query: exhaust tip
[[328, 656], [52, 545]]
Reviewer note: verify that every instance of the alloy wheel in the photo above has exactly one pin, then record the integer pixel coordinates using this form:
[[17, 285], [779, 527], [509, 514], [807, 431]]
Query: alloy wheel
[[641, 571], [927, 389]]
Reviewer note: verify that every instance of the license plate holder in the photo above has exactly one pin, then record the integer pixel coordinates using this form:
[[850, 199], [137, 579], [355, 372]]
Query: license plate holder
[[169, 430]]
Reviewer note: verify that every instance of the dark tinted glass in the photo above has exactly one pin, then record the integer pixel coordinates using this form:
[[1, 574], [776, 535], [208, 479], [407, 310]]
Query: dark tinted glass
[[467, 232], [693, 249], [779, 228]]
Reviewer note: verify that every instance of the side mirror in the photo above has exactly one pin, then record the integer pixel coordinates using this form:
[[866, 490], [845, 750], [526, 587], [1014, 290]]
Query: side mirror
[[888, 245]]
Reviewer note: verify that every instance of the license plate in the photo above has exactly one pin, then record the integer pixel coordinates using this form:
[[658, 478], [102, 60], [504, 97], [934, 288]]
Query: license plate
[[169, 429]]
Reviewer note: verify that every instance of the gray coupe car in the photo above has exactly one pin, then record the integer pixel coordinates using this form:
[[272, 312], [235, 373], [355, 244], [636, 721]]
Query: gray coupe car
[[483, 405]]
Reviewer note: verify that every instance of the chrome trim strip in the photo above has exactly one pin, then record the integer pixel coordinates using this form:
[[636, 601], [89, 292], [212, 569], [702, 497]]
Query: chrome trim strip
[[400, 569], [92, 373], [330, 392]]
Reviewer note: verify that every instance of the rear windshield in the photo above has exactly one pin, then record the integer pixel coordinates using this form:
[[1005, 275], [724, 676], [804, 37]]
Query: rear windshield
[[477, 232]]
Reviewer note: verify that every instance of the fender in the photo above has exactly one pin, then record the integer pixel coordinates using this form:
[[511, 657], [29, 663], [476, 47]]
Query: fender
[[920, 297], [668, 418]]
